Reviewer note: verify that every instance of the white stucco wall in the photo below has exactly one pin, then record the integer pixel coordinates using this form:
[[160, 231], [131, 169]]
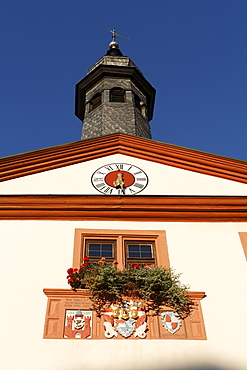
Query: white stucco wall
[[36, 255], [163, 180]]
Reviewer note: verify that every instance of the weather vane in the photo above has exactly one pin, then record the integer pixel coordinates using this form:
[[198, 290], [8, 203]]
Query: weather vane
[[114, 34]]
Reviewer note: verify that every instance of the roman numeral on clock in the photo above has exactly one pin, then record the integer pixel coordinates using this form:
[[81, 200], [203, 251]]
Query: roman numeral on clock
[[119, 166], [140, 186], [101, 185], [109, 168], [100, 173], [108, 190]]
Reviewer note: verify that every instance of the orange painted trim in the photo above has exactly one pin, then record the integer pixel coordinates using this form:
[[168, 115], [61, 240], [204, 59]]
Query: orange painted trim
[[60, 300], [85, 150], [127, 208], [243, 238], [158, 236], [51, 292]]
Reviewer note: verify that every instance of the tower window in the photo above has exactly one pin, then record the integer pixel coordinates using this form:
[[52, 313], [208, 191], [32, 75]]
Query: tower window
[[94, 102], [140, 105], [117, 95], [137, 102]]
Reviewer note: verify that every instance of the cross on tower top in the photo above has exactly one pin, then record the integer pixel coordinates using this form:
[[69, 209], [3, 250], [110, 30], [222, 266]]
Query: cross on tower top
[[114, 34]]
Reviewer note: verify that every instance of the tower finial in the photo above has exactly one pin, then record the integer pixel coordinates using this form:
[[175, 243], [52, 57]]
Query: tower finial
[[113, 44]]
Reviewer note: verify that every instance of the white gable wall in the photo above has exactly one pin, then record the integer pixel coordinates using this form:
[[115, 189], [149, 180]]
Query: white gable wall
[[163, 180], [36, 255]]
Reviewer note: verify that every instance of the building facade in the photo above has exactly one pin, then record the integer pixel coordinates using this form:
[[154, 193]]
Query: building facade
[[116, 191]]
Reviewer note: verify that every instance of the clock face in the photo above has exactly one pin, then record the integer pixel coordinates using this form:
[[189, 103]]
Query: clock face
[[119, 179]]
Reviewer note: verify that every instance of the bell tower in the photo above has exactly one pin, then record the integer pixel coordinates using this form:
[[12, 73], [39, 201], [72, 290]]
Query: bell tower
[[114, 97]]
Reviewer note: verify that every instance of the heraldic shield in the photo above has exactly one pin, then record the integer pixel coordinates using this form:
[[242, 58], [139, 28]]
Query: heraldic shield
[[77, 324], [125, 319], [171, 321]]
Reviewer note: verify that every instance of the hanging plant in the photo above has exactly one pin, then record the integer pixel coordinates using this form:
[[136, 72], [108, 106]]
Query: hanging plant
[[154, 286]]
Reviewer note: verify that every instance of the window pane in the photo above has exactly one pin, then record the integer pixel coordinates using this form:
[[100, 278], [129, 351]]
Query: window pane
[[100, 250], [94, 250], [106, 250], [146, 251], [140, 251], [134, 251]]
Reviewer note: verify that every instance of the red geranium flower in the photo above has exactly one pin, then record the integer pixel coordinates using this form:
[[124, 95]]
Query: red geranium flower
[[70, 271], [75, 270], [84, 265], [103, 259], [116, 262], [85, 259], [70, 281]]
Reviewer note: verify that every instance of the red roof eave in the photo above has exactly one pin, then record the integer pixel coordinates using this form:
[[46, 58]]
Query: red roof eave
[[85, 150]]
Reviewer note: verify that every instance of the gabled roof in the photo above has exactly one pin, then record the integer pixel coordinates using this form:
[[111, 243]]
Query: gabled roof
[[150, 150]]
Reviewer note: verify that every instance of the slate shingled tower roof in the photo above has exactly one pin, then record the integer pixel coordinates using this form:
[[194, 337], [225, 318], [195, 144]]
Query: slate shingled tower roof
[[114, 97]]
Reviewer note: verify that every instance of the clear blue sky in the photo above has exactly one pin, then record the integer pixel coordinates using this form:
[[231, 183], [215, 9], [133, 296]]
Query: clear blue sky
[[194, 52]]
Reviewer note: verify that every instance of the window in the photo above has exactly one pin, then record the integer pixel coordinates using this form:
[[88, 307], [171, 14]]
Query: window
[[139, 253], [117, 95], [94, 102], [95, 249], [137, 102], [140, 105], [126, 246]]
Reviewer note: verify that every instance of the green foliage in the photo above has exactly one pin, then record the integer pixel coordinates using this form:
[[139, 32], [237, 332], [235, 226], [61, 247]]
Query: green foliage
[[154, 286]]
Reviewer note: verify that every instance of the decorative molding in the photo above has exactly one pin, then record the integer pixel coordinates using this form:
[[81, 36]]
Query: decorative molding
[[124, 208], [158, 236], [62, 302], [86, 150]]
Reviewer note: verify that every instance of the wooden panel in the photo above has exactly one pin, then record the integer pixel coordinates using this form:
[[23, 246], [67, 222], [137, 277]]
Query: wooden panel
[[53, 318], [51, 328], [195, 324], [54, 305]]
